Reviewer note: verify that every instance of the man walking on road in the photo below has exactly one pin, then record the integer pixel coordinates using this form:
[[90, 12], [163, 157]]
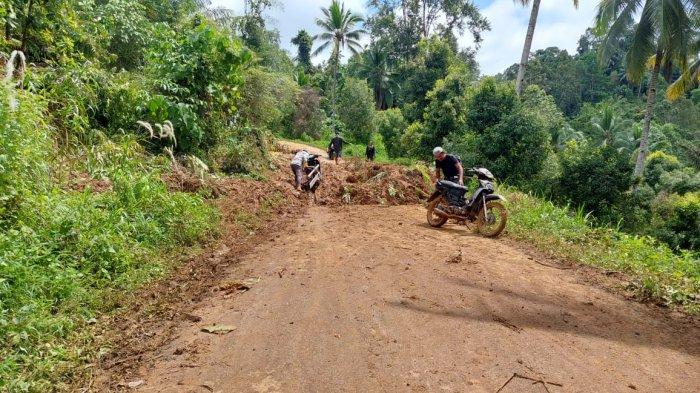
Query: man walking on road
[[449, 165], [337, 146], [298, 162]]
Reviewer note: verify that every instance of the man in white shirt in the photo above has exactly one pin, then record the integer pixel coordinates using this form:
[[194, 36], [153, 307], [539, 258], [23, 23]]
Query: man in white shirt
[[298, 162]]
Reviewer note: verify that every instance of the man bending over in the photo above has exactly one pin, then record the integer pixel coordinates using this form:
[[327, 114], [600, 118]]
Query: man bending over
[[298, 162], [449, 166]]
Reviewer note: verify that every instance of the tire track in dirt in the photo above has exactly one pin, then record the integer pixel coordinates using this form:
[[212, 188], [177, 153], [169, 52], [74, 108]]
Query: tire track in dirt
[[362, 298]]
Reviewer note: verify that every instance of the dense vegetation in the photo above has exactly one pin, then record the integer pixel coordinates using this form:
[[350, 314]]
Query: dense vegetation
[[120, 92]]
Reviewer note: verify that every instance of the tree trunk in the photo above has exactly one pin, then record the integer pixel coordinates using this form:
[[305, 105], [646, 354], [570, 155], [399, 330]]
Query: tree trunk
[[639, 91], [25, 29], [526, 47], [644, 142], [335, 58], [425, 27], [8, 31]]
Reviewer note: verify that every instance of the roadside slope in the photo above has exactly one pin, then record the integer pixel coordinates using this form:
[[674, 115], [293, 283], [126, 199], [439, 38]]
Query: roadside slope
[[365, 298]]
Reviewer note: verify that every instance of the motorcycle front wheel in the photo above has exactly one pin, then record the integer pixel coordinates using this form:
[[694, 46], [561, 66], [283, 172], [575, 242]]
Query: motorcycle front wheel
[[492, 220], [435, 220]]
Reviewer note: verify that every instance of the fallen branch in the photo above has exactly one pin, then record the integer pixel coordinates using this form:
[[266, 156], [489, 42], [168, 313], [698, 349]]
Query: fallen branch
[[555, 267], [534, 381]]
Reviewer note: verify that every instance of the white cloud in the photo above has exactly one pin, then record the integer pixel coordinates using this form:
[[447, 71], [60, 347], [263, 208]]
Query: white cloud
[[558, 24]]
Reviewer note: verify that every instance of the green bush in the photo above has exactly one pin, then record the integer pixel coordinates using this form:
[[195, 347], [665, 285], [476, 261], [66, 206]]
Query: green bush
[[594, 177], [445, 113], [391, 125], [73, 93], [356, 109], [465, 146], [308, 116], [536, 101], [658, 163], [268, 100], [433, 61], [515, 149], [488, 103], [410, 141], [679, 181], [243, 150], [676, 220], [197, 73]]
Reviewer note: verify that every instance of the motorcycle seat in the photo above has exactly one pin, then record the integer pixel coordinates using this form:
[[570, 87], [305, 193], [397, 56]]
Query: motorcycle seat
[[451, 184]]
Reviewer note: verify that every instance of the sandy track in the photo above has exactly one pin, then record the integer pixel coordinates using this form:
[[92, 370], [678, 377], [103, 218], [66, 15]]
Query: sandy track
[[361, 299]]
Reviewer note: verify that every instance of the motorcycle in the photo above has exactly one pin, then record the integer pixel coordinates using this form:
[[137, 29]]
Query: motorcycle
[[484, 207], [313, 175]]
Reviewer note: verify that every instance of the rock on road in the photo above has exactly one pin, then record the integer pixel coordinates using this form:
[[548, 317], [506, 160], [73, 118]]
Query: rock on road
[[363, 299]]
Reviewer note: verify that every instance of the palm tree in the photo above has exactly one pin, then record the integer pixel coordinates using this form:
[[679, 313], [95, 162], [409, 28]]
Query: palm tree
[[378, 72], [629, 140], [690, 78], [566, 134], [528, 41], [661, 40], [607, 125], [339, 31]]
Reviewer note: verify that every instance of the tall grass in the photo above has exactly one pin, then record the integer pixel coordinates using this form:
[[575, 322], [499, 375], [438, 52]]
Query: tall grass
[[658, 273], [66, 255]]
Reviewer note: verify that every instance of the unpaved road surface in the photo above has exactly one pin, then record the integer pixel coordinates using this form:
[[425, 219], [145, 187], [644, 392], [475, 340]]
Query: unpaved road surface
[[365, 299]]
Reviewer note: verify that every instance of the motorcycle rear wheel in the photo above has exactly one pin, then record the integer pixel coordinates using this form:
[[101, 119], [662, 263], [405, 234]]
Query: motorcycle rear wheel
[[435, 220], [492, 220]]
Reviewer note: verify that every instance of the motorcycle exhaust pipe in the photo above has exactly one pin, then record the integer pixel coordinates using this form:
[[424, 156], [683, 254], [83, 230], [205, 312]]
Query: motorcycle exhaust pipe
[[443, 214]]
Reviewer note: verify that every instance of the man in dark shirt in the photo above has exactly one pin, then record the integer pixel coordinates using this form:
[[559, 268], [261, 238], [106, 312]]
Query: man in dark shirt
[[337, 146], [449, 165], [370, 151]]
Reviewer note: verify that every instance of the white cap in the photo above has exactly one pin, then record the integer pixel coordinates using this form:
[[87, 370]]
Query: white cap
[[437, 151]]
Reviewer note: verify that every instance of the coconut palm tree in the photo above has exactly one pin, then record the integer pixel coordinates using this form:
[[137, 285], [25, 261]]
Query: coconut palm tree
[[339, 32], [607, 125], [690, 78], [661, 40], [378, 72], [566, 134], [629, 139], [528, 41]]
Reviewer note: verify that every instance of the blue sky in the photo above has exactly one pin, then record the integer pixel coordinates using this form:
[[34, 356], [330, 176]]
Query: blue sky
[[559, 24]]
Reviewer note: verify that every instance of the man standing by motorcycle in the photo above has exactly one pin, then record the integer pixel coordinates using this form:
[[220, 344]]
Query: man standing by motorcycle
[[449, 165]]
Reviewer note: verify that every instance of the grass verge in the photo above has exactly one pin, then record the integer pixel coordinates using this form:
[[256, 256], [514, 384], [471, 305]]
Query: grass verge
[[659, 274], [68, 257]]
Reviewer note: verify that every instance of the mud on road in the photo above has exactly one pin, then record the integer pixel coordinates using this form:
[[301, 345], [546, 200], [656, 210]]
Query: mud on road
[[369, 299]]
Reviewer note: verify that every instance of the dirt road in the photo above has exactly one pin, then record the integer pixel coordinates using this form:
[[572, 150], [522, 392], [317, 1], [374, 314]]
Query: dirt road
[[369, 299]]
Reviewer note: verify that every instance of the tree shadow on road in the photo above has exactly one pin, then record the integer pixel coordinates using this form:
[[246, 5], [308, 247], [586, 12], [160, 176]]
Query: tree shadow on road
[[460, 230], [517, 310]]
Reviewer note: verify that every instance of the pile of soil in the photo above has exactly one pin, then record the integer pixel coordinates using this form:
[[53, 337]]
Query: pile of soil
[[365, 183], [360, 182]]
